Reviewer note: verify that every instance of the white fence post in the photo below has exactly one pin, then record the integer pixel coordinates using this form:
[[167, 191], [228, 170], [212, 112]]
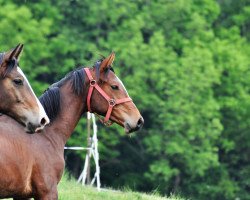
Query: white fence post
[[92, 150]]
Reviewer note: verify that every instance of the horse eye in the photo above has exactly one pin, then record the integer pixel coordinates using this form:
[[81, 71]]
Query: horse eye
[[18, 81], [114, 87]]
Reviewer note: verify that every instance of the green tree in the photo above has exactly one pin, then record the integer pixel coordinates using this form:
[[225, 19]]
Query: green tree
[[186, 65]]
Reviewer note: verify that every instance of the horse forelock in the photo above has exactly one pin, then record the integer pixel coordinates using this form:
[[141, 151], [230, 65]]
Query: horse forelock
[[1, 58], [97, 69]]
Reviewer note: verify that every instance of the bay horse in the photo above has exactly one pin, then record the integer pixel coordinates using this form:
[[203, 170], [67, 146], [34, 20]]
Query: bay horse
[[17, 98], [31, 166]]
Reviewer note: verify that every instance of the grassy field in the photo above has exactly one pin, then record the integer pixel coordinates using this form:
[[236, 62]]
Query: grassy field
[[70, 190]]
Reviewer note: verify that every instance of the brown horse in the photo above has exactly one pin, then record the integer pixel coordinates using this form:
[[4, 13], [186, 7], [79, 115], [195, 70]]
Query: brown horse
[[17, 98], [31, 165]]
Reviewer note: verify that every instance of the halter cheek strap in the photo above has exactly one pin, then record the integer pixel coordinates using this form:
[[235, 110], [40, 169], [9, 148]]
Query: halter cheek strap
[[112, 102]]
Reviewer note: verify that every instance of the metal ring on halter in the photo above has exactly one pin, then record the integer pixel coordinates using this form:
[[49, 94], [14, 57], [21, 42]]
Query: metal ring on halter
[[101, 119], [112, 102], [92, 82], [108, 123]]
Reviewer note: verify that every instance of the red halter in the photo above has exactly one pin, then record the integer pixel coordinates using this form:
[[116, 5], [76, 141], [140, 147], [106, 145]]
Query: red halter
[[112, 102]]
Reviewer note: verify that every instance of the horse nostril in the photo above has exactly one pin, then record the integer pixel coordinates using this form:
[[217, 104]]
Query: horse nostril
[[43, 121], [140, 122]]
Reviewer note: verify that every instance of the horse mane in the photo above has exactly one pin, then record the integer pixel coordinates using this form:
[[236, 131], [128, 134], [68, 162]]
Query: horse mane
[[50, 100], [10, 65], [77, 79]]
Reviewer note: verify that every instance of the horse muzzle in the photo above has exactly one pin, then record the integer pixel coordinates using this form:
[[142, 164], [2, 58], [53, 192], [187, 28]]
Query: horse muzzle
[[32, 128], [129, 128]]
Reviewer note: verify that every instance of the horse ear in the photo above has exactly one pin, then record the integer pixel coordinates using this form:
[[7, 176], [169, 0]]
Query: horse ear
[[14, 53], [19, 51], [11, 55], [107, 62]]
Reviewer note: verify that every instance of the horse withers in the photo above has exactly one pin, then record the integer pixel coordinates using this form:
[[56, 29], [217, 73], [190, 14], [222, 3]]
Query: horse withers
[[31, 166], [17, 98]]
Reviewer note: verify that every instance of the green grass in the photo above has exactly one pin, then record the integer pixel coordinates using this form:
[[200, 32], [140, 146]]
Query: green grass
[[70, 190]]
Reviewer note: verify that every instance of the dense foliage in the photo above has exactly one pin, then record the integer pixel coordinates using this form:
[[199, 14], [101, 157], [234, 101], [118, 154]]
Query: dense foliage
[[186, 65]]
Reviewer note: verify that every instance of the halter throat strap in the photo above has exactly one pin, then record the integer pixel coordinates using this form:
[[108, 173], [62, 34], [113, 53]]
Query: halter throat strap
[[112, 102]]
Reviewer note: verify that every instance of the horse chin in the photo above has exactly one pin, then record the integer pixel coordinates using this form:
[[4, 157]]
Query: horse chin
[[30, 128], [125, 125], [127, 128]]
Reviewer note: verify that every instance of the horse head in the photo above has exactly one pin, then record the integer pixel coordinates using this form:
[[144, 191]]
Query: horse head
[[108, 97], [17, 98]]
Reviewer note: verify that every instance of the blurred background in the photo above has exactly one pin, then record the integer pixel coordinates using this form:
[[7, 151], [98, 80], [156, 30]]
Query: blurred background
[[186, 65]]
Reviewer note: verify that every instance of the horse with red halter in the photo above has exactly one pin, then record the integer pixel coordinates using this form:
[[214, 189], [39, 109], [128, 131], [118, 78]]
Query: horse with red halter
[[31, 166], [17, 98]]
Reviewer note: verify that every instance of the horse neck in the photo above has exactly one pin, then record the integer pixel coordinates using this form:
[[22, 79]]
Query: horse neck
[[71, 109]]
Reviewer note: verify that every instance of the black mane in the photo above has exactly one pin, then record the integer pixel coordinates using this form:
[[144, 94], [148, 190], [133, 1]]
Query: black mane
[[50, 101], [77, 79]]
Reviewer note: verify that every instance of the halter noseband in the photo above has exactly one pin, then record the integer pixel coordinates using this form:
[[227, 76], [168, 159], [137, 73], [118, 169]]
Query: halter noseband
[[112, 102]]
